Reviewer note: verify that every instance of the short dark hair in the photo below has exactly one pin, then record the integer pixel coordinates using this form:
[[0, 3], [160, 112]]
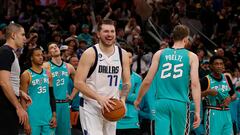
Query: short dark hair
[[49, 45], [105, 21], [11, 28], [215, 57], [180, 32], [29, 55], [31, 51]]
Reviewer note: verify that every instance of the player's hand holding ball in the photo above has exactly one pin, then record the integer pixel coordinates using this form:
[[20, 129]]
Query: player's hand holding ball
[[105, 103], [116, 112]]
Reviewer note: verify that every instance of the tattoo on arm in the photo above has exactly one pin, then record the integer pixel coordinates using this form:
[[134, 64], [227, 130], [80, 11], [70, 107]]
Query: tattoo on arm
[[125, 90]]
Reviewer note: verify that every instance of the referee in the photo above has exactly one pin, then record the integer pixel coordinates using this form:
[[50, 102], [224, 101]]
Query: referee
[[11, 111]]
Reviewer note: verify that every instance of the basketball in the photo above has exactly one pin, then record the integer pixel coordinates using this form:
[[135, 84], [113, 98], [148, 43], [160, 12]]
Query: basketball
[[117, 113]]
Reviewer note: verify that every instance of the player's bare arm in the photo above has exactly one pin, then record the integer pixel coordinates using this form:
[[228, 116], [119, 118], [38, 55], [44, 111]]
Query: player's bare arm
[[195, 86], [72, 75], [125, 77], [9, 93], [148, 79], [84, 66], [71, 71], [24, 84]]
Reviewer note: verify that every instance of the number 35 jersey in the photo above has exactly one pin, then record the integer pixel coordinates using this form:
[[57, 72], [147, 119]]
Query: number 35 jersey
[[173, 75], [40, 110], [105, 79]]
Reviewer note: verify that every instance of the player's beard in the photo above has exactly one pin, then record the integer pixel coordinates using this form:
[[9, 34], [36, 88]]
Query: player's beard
[[108, 42]]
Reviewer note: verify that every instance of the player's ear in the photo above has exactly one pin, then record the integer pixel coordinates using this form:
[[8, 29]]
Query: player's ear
[[13, 35], [98, 35]]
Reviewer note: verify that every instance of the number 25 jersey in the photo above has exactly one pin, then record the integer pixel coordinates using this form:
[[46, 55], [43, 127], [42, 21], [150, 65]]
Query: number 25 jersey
[[173, 75]]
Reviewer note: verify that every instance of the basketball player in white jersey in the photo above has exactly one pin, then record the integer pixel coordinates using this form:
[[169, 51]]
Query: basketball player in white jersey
[[98, 75]]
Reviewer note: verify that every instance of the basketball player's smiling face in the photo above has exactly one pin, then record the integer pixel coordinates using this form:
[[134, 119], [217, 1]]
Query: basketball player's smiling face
[[107, 35]]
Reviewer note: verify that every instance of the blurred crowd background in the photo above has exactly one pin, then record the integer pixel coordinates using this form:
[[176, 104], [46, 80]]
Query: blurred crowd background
[[143, 25]]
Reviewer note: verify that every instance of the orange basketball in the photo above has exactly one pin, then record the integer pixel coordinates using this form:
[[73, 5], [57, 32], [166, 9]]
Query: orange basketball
[[117, 113]]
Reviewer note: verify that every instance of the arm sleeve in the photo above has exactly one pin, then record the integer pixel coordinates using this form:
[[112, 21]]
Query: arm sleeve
[[232, 91], [52, 99], [204, 83], [6, 59]]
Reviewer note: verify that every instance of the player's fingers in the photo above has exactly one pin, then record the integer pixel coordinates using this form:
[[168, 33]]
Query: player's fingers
[[110, 106], [136, 105], [111, 102], [51, 125], [106, 107], [25, 117], [30, 100], [196, 123], [20, 119]]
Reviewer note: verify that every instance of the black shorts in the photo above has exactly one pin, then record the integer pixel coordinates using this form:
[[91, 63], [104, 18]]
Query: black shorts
[[9, 123]]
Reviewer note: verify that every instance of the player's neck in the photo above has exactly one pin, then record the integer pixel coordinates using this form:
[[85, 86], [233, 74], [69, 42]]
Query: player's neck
[[107, 50], [178, 45], [37, 68], [11, 44], [57, 60], [216, 75]]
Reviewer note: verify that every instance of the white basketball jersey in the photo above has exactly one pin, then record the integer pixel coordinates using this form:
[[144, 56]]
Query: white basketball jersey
[[106, 77]]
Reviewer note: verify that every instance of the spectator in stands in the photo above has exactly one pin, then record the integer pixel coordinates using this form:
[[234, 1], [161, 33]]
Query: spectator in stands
[[86, 35], [2, 33]]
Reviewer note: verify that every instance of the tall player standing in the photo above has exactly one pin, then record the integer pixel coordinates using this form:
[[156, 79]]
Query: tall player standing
[[38, 84], [174, 68], [98, 76], [61, 73]]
